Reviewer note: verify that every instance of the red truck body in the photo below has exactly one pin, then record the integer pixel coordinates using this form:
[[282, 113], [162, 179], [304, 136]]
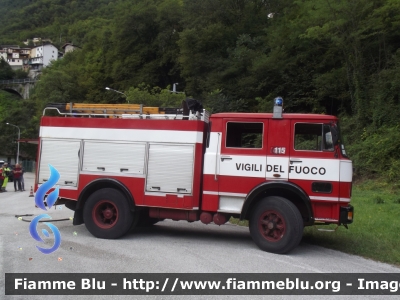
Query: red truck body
[[280, 173]]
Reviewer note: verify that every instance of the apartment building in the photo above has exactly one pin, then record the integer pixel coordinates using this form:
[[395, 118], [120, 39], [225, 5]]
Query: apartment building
[[41, 56], [17, 57]]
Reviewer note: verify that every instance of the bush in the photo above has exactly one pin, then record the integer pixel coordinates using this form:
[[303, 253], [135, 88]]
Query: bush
[[377, 153]]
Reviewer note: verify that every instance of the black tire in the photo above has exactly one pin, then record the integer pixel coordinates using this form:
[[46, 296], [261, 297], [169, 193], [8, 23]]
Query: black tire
[[107, 214], [276, 225]]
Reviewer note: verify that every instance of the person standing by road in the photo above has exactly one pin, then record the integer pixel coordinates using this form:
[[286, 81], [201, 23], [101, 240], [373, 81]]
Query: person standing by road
[[17, 177], [5, 173]]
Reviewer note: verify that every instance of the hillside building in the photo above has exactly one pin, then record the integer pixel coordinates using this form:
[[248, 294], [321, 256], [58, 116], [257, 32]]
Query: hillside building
[[41, 56], [33, 59], [16, 57], [69, 47]]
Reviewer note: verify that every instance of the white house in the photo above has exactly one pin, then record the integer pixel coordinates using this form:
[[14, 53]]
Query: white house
[[41, 56], [15, 61], [16, 57]]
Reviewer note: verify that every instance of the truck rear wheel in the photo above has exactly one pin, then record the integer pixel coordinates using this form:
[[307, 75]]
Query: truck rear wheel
[[276, 225], [107, 214]]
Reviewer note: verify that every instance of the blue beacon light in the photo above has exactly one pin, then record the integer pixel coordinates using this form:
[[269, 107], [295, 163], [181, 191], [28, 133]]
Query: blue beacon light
[[278, 109], [278, 101]]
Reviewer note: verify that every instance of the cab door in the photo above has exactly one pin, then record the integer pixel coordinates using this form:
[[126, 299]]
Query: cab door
[[314, 166], [242, 161]]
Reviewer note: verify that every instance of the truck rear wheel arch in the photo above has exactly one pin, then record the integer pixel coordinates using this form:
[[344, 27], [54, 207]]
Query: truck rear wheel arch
[[94, 186], [286, 190]]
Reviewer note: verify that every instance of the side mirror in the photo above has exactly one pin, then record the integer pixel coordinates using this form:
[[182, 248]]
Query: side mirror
[[335, 134]]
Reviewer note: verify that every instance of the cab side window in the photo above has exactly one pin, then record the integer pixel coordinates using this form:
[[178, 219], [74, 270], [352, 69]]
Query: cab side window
[[313, 137], [244, 135]]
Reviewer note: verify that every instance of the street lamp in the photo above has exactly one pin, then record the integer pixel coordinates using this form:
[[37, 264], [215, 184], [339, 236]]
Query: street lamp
[[19, 135], [110, 89], [174, 88]]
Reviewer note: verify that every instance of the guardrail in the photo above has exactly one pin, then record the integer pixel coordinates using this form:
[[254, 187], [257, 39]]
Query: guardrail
[[16, 81]]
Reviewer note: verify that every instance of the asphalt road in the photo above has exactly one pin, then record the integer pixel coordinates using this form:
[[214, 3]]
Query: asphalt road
[[167, 247]]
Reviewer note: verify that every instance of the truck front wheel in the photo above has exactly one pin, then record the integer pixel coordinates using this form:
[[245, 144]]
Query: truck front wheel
[[107, 214], [276, 225]]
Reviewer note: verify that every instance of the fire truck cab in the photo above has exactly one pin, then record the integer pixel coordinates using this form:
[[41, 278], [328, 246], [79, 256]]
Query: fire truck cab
[[122, 168]]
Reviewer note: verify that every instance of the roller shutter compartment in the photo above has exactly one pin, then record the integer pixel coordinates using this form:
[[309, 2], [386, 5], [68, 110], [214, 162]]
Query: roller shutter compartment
[[170, 168]]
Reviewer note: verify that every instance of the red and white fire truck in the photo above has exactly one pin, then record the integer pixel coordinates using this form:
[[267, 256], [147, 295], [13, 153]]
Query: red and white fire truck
[[121, 168]]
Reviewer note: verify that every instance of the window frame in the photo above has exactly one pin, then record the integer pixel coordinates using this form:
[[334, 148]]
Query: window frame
[[322, 124], [240, 150]]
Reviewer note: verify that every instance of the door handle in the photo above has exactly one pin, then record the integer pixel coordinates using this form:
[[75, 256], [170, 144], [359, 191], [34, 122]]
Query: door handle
[[225, 158], [292, 161], [122, 170], [101, 168]]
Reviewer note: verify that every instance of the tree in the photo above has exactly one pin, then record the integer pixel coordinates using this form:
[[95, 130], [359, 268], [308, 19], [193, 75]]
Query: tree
[[5, 70]]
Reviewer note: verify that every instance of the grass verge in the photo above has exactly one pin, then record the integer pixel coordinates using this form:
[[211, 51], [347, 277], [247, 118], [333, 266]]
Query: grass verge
[[375, 232]]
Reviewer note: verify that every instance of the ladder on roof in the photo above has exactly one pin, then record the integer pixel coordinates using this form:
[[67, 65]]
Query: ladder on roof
[[125, 111], [99, 108]]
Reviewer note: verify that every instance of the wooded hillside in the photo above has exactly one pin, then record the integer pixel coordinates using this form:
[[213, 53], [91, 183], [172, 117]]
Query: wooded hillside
[[324, 56]]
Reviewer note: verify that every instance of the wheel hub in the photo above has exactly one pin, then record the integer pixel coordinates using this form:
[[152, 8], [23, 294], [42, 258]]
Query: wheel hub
[[272, 226], [105, 214]]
